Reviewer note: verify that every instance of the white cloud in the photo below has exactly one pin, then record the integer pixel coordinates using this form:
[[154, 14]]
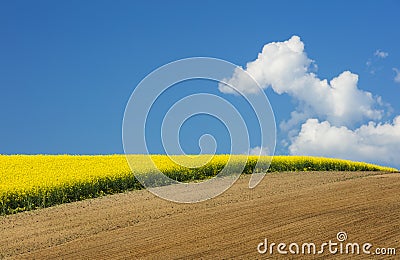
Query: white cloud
[[259, 151], [381, 54], [286, 68], [328, 112], [397, 76], [374, 64], [378, 143]]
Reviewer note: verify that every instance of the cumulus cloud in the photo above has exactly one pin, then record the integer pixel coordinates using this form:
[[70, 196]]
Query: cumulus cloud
[[397, 76], [286, 68], [378, 143], [374, 64], [259, 151], [328, 115], [381, 54]]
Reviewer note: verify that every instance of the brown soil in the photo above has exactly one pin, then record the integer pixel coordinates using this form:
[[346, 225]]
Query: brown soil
[[284, 207]]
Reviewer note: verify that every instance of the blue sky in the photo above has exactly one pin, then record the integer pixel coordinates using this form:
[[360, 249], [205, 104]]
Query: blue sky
[[67, 68]]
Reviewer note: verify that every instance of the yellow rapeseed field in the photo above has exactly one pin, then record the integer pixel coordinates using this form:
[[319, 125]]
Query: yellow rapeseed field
[[34, 181]]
